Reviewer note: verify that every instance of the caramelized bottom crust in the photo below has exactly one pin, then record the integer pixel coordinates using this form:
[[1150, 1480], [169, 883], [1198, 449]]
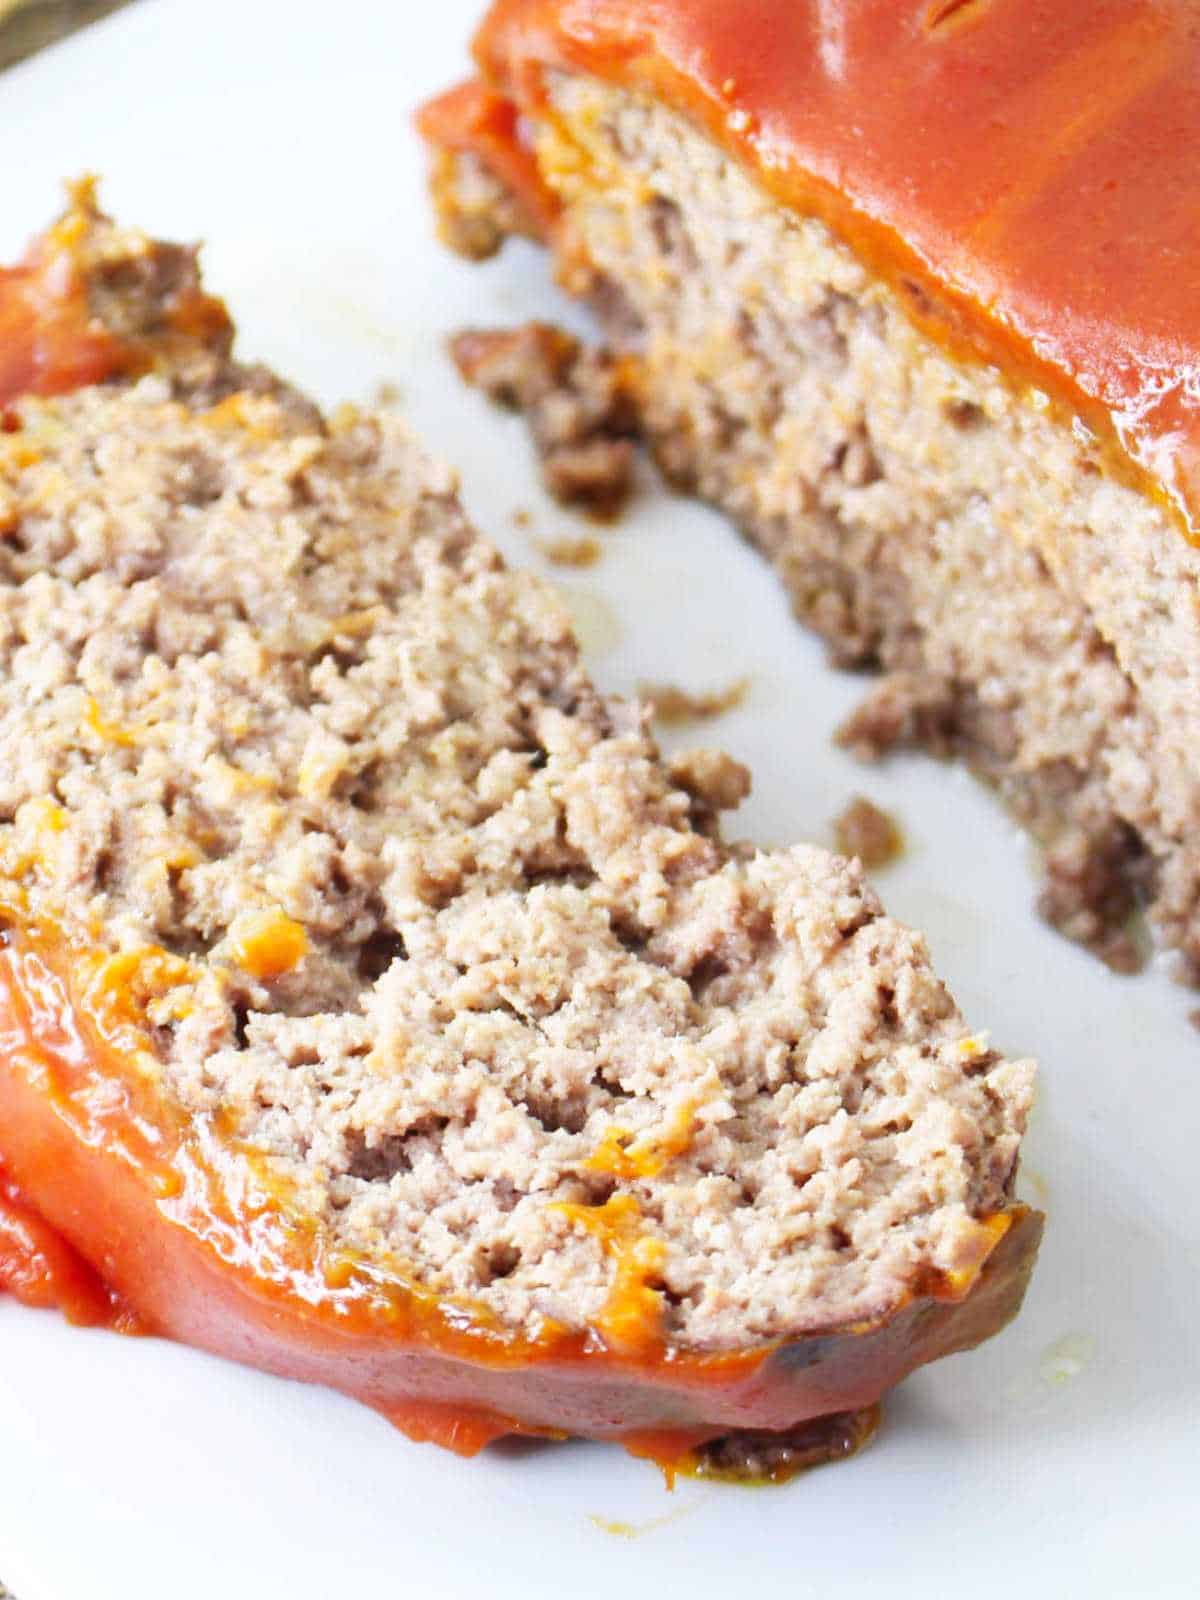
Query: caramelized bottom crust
[[758, 1456]]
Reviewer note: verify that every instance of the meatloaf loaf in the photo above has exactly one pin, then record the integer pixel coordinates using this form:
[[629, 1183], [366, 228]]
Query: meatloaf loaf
[[379, 1008], [910, 290]]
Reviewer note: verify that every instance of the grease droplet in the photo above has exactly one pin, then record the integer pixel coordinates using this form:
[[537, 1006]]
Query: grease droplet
[[1033, 1186], [637, 1530], [597, 625], [1067, 1358]]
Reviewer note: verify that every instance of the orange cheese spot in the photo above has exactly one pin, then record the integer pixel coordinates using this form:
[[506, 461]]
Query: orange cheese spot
[[47, 814], [355, 622], [33, 844], [69, 231], [228, 413], [266, 944], [631, 1317], [20, 453], [244, 412], [985, 1236], [181, 856], [109, 732], [646, 1157], [129, 983]]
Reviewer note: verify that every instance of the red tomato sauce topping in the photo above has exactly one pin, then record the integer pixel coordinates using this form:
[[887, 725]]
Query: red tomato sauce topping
[[40, 1269], [1023, 172]]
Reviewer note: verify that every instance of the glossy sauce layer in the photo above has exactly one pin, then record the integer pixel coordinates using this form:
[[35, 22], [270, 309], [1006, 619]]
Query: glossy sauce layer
[[203, 1242], [1023, 171], [49, 342], [469, 118], [41, 1270]]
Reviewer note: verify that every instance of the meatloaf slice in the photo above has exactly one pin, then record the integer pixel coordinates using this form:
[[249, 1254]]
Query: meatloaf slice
[[874, 273], [378, 1007]]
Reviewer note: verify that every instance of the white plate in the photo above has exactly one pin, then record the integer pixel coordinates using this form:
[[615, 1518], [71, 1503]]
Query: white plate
[[1059, 1460]]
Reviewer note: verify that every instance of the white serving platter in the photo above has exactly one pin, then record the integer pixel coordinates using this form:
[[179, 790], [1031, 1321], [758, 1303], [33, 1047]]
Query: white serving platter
[[1060, 1460]]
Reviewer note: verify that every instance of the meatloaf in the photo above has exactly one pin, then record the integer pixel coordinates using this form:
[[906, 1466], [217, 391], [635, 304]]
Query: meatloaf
[[378, 1007], [909, 290]]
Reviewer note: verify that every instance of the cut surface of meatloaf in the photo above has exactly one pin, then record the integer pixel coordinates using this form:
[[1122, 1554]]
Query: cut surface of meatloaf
[[949, 399], [378, 1007]]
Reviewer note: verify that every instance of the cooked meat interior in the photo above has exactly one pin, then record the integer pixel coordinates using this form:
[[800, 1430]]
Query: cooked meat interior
[[422, 922], [1028, 607]]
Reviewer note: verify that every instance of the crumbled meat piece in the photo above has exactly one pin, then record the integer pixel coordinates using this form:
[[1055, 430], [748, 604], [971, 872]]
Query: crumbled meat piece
[[578, 403], [674, 706], [712, 777], [714, 781], [569, 552], [863, 830], [517, 367], [902, 711], [476, 212]]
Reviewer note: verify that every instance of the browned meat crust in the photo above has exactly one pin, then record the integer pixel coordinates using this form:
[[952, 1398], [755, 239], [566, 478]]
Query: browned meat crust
[[673, 706], [757, 1456]]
